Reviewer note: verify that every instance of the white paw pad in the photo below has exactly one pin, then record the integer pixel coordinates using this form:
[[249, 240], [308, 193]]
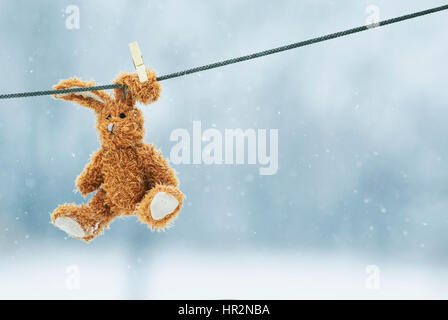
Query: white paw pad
[[70, 226], [162, 205]]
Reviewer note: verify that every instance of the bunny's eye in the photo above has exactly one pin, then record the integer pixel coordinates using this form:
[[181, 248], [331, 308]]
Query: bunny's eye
[[108, 117], [122, 115]]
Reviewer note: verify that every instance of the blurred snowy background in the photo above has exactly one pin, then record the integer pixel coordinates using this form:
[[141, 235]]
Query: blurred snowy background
[[363, 166]]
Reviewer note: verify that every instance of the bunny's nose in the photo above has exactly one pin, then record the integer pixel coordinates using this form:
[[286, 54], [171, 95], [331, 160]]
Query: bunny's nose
[[110, 127]]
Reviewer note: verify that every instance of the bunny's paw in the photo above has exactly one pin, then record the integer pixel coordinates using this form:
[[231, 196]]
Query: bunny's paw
[[75, 221], [162, 205], [70, 226]]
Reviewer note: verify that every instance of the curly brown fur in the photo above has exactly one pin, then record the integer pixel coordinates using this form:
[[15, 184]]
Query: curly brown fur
[[126, 173]]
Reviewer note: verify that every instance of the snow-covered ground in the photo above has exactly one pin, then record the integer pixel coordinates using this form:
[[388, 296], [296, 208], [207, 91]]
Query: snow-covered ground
[[216, 275]]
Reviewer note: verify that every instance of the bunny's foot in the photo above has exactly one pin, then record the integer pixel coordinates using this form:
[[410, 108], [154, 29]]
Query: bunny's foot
[[83, 222], [74, 220], [79, 222], [160, 206], [70, 226]]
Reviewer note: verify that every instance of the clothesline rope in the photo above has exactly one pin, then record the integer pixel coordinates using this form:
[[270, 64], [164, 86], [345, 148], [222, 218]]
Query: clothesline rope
[[239, 59]]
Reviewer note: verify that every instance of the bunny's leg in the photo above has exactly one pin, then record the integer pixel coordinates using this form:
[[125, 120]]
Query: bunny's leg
[[160, 206], [86, 221]]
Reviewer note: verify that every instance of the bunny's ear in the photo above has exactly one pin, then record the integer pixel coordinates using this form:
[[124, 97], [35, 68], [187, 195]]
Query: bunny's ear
[[92, 99], [134, 90]]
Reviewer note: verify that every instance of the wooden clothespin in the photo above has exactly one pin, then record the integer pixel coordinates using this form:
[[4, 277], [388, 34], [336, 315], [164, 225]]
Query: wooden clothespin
[[138, 61]]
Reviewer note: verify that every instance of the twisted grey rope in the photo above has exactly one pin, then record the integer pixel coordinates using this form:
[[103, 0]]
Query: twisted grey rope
[[242, 58]]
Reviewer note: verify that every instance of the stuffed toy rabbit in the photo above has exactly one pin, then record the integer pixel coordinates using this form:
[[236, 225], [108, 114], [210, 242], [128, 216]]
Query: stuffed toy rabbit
[[129, 176]]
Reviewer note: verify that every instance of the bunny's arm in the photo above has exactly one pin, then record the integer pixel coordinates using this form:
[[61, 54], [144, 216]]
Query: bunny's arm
[[91, 178], [156, 167]]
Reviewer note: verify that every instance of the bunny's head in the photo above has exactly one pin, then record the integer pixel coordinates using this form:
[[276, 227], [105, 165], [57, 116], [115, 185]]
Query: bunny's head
[[119, 121]]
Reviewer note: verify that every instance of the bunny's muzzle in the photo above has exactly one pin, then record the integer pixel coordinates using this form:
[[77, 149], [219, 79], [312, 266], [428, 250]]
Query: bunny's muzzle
[[110, 127]]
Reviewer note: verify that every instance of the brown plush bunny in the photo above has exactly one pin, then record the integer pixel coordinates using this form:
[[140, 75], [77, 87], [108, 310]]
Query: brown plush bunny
[[130, 177]]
